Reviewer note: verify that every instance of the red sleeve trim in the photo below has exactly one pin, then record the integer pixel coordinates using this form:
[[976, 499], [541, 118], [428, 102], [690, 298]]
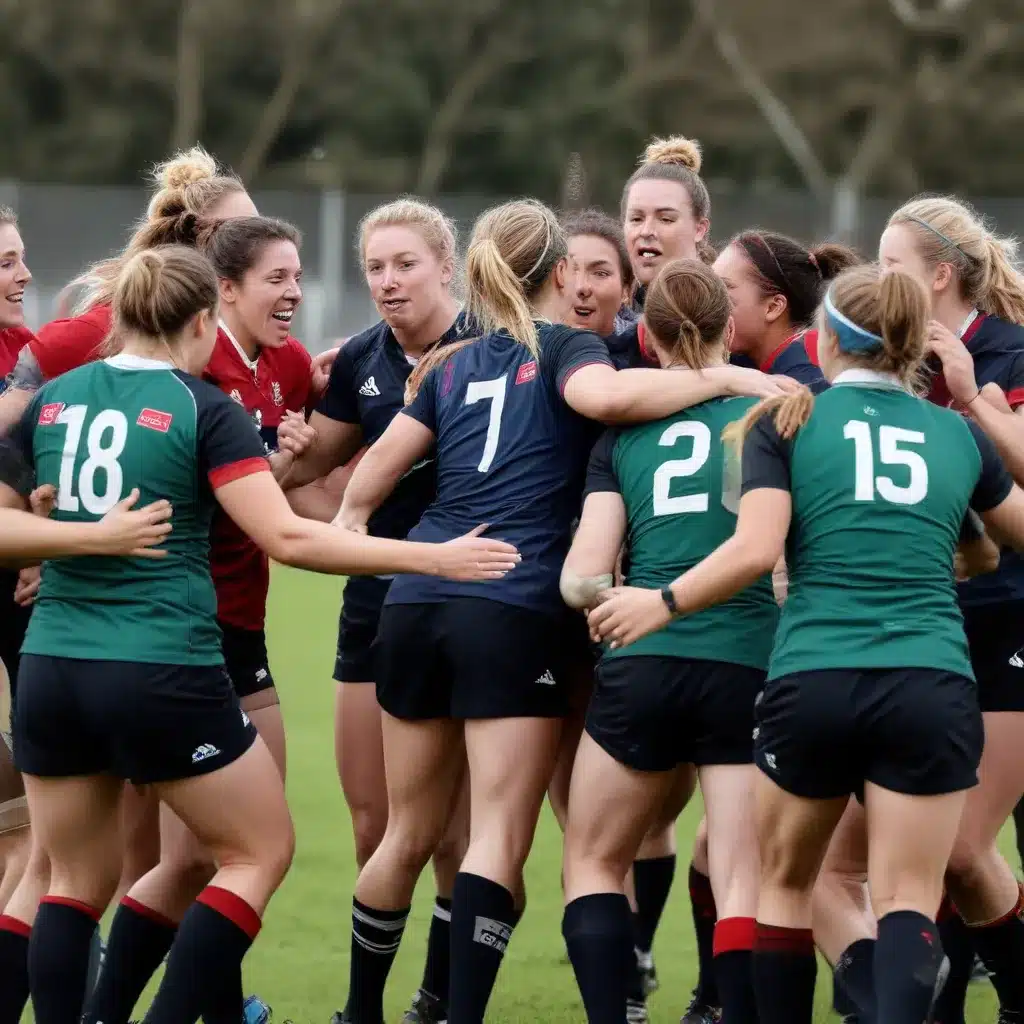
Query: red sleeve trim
[[236, 470], [766, 366], [572, 370], [1015, 397]]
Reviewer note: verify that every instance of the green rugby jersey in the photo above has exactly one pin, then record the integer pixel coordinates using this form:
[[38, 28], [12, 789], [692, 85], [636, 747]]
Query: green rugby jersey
[[97, 432], [881, 482], [681, 490]]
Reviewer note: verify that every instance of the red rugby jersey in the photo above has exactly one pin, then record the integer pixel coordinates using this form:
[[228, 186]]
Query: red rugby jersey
[[278, 379], [67, 344], [12, 341]]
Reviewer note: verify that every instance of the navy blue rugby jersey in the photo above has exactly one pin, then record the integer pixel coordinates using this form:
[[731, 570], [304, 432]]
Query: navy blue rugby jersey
[[997, 347], [367, 387], [510, 453], [790, 359]]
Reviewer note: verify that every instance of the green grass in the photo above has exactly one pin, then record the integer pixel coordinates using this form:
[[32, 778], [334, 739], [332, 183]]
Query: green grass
[[300, 962]]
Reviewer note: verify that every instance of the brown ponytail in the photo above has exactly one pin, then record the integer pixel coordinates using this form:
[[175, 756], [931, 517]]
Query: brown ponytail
[[687, 310], [790, 411]]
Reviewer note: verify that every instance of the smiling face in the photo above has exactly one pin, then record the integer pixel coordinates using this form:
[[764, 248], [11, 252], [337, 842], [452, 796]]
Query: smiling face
[[752, 310], [660, 226], [898, 250], [14, 276], [596, 288], [262, 304], [406, 279]]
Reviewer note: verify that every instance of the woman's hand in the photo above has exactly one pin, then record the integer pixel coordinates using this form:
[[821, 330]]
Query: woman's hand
[[626, 614], [27, 588], [123, 531], [957, 363], [294, 434], [472, 557], [754, 384]]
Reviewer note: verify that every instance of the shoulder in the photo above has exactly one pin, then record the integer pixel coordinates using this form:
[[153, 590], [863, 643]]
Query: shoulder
[[291, 358], [366, 342], [995, 329], [63, 344], [208, 398]]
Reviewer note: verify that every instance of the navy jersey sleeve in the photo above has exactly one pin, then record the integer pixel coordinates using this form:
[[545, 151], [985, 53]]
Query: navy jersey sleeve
[[766, 457], [600, 470], [15, 470], [423, 408], [339, 401], [994, 482], [22, 433], [570, 350], [229, 444]]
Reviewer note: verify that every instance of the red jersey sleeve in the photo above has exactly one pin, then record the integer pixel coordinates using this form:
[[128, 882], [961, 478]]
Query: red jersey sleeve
[[67, 344], [12, 341]]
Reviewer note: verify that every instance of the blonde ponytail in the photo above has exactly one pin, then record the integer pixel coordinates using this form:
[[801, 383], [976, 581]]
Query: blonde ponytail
[[1003, 290], [497, 301]]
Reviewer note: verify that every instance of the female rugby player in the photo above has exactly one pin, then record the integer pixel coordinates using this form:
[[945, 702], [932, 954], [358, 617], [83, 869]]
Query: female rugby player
[[671, 699], [267, 372], [408, 252], [146, 697], [851, 670], [977, 309], [460, 665]]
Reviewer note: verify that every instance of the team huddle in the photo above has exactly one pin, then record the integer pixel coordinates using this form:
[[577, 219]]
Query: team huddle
[[621, 515]]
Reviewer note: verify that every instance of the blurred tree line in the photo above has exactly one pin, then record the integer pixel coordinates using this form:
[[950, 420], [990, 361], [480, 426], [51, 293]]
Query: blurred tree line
[[548, 97]]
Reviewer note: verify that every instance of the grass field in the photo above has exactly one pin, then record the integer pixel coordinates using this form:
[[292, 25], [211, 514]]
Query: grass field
[[300, 962]]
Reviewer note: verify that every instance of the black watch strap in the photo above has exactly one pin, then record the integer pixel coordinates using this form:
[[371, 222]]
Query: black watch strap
[[670, 601]]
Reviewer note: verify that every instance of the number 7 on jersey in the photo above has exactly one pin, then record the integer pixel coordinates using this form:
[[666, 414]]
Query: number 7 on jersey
[[477, 391]]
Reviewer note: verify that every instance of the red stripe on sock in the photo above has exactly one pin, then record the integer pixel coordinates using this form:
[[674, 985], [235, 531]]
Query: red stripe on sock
[[783, 940], [233, 907], [148, 912], [734, 933], [12, 924], [82, 908]]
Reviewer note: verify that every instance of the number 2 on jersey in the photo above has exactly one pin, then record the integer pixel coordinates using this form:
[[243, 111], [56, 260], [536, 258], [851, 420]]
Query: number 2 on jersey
[[664, 505], [101, 453], [494, 390], [889, 454]]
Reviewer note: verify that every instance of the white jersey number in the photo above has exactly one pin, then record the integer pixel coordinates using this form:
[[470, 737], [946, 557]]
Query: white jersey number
[[866, 484], [104, 445], [669, 471], [494, 390]]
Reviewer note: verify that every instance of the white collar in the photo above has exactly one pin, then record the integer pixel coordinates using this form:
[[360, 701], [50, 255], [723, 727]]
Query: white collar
[[966, 325], [872, 378], [252, 364], [127, 361]]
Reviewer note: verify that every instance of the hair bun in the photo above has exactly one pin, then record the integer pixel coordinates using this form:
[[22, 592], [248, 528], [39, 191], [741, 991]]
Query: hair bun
[[184, 168], [678, 150]]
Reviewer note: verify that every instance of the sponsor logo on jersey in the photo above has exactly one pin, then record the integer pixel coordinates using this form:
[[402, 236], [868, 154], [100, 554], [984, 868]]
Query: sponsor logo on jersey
[[261, 674], [527, 372], [204, 751], [278, 397], [153, 419], [369, 388], [236, 396], [49, 413]]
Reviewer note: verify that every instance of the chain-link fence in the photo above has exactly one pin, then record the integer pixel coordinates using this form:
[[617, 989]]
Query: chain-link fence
[[67, 227]]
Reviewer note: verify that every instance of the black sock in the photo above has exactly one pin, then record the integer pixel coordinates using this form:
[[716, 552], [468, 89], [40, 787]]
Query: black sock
[[482, 921], [58, 958], [439, 945], [705, 914], [1001, 945], [14, 935], [908, 955], [139, 940], [204, 969], [785, 968], [636, 992], [376, 936], [733, 966], [652, 881], [853, 981], [598, 933], [1018, 827], [958, 946]]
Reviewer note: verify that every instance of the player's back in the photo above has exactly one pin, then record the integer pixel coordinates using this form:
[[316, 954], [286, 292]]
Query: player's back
[[95, 434], [680, 485], [510, 453], [881, 482]]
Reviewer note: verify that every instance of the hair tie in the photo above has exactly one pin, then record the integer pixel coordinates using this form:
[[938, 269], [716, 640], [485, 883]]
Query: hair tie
[[850, 336], [527, 278], [813, 260]]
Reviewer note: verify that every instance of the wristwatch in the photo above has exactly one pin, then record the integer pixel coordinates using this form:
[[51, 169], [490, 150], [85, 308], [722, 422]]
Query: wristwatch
[[670, 601]]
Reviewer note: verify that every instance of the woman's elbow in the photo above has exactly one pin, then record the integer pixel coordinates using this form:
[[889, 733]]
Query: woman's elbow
[[760, 555]]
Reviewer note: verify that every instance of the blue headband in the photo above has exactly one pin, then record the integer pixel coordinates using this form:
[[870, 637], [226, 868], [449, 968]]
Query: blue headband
[[850, 337]]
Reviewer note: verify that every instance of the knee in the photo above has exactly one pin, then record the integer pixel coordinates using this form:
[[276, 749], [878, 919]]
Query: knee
[[967, 858], [785, 868], [450, 850], [368, 828], [190, 870], [409, 845]]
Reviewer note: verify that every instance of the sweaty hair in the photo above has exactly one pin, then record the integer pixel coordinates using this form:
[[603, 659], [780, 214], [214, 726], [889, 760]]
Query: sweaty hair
[[687, 310], [784, 267], [159, 290], [188, 186], [436, 229], [946, 230], [892, 305], [512, 253], [597, 224], [8, 216], [676, 159], [234, 246]]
